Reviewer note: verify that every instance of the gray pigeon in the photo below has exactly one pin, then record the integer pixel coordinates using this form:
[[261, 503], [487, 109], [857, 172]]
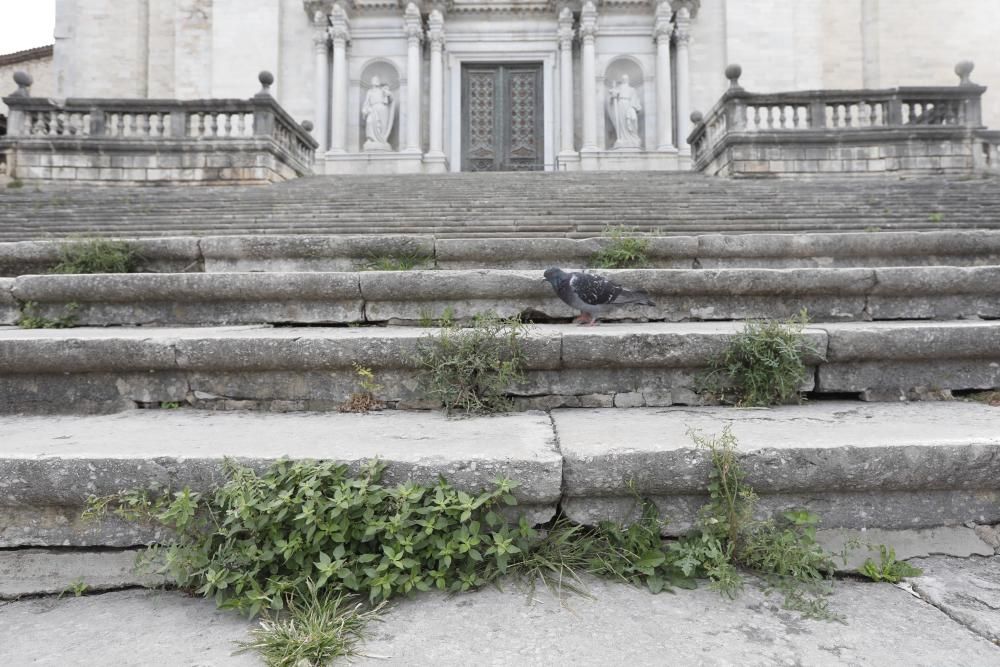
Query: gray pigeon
[[591, 294]]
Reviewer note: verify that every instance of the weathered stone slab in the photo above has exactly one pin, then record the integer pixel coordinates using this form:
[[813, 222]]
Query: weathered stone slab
[[167, 255], [886, 466], [9, 311], [196, 298], [968, 591], [60, 462], [47, 572], [955, 541], [308, 253]]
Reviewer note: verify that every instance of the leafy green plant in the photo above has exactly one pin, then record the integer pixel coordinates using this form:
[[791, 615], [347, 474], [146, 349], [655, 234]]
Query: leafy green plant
[[15, 184], [364, 400], [97, 256], [936, 217], [29, 318], [170, 405], [77, 587], [624, 250], [888, 569], [762, 364], [313, 630], [260, 538], [472, 369], [447, 319], [404, 261]]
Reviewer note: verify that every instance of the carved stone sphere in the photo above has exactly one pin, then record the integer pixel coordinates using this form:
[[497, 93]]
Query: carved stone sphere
[[265, 78], [964, 69], [307, 125], [23, 79], [696, 117], [734, 72]]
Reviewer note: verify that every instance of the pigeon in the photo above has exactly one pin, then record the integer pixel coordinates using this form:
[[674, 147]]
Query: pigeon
[[592, 294]]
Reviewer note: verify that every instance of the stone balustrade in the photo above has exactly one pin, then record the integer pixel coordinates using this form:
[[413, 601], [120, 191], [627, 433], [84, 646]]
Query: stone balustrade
[[988, 155], [140, 140], [909, 130]]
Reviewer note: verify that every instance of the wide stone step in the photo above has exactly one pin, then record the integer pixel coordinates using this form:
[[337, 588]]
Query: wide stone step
[[874, 466], [88, 370], [458, 204], [412, 297], [298, 252]]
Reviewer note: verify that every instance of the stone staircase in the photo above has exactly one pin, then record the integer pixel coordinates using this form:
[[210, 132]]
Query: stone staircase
[[505, 205], [253, 307]]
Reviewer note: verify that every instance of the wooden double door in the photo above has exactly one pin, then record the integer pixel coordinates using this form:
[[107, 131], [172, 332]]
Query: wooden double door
[[502, 117]]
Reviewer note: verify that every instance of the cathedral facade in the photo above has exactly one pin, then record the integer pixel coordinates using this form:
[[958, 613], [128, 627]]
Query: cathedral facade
[[476, 85]]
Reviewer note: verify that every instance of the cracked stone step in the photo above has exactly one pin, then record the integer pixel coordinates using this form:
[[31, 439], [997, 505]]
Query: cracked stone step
[[100, 370], [51, 465], [875, 466]]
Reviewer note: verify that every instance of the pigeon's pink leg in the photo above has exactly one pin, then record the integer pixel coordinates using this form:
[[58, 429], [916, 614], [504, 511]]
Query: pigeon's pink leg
[[586, 319], [579, 319]]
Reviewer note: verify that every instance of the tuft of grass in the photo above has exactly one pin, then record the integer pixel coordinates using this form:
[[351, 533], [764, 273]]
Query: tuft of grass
[[30, 319], [624, 250], [97, 256], [313, 630], [364, 400], [936, 217], [991, 397], [888, 569], [471, 369], [77, 587], [15, 184], [405, 261], [762, 365]]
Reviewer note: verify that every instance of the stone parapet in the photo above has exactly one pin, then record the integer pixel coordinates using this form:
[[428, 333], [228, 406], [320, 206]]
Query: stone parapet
[[131, 141], [908, 131]]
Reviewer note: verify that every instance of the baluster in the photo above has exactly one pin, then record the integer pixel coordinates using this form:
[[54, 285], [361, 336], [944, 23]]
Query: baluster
[[155, 127], [781, 116]]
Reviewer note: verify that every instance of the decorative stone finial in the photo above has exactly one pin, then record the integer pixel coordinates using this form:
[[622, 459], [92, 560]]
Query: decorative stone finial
[[963, 70], [266, 79], [23, 81], [696, 117], [733, 73], [307, 125]]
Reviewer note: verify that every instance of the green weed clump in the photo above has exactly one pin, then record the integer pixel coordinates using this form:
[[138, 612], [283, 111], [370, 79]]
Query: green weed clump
[[325, 626], [471, 369], [762, 365], [97, 256], [404, 261], [29, 318], [888, 569], [624, 250]]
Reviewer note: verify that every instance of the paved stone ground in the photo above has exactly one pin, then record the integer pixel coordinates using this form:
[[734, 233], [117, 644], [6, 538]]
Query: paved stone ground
[[886, 625]]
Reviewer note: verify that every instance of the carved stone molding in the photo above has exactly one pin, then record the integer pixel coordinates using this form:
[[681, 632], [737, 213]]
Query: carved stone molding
[[340, 26], [565, 32], [682, 34], [435, 29], [413, 25], [663, 27], [588, 20]]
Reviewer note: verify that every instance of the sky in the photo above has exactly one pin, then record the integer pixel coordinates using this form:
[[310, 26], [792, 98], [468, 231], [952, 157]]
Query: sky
[[25, 24]]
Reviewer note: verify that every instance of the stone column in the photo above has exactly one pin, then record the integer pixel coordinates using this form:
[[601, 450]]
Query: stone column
[[436, 37], [662, 31], [321, 99], [566, 82], [413, 25], [870, 44], [588, 30], [682, 35], [339, 34]]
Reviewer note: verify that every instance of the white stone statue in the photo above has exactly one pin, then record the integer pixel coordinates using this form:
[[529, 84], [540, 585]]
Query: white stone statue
[[379, 111], [624, 106]]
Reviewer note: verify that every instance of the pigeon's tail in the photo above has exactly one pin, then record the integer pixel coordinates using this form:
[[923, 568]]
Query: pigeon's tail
[[636, 297]]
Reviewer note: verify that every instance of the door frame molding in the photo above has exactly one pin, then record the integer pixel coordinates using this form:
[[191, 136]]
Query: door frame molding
[[456, 58]]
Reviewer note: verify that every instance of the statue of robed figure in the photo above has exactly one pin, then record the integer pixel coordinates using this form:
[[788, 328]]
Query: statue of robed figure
[[624, 106], [379, 111]]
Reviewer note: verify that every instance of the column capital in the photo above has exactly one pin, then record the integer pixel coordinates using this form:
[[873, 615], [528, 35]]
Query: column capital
[[663, 27], [565, 32], [435, 29], [588, 21], [683, 31], [413, 25], [340, 26]]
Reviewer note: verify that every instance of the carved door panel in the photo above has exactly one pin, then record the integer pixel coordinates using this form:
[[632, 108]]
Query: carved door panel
[[502, 117]]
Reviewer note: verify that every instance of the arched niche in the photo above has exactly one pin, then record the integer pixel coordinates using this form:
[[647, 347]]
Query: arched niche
[[622, 74], [388, 90]]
